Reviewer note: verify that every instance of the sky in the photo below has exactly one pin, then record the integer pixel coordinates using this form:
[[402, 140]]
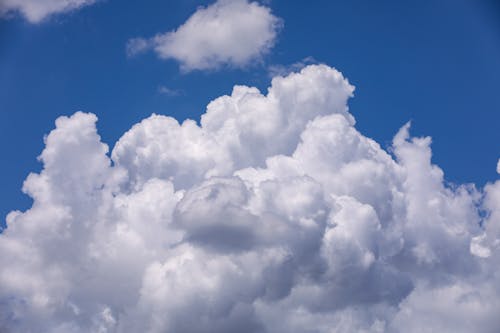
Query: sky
[[336, 160], [435, 63]]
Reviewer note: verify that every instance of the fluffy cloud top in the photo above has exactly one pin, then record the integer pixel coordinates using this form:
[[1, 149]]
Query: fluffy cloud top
[[226, 33], [36, 11], [273, 215]]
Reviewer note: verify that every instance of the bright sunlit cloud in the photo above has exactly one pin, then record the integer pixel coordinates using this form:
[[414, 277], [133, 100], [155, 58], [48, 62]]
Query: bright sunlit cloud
[[274, 215], [232, 33]]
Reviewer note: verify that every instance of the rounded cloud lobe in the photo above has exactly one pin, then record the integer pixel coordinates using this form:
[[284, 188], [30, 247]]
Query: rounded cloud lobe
[[273, 215], [227, 33]]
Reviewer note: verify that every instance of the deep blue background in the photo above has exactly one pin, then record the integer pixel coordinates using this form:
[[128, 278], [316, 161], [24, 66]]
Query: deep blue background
[[436, 63]]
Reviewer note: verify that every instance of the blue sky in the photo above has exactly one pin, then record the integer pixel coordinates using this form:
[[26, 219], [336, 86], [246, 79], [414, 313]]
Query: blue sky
[[273, 210], [436, 63]]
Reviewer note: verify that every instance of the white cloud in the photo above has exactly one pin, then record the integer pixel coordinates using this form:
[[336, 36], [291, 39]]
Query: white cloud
[[36, 11], [169, 91], [138, 45], [227, 33], [273, 215]]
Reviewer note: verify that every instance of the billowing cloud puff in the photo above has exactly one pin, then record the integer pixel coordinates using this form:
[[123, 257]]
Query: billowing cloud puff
[[226, 33], [273, 215], [36, 11]]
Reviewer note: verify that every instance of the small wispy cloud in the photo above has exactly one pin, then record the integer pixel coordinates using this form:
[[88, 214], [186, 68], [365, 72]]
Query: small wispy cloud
[[137, 45], [284, 70], [36, 11], [170, 92]]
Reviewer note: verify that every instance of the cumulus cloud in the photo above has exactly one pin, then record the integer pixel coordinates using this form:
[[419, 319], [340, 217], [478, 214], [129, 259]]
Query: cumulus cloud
[[36, 11], [275, 214], [227, 33]]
